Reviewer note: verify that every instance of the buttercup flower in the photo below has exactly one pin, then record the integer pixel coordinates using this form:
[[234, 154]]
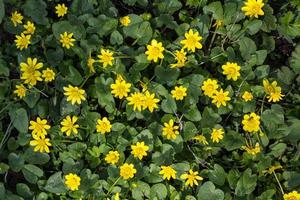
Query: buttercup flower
[[125, 21], [252, 150], [74, 94], [168, 172], [191, 178], [210, 87], [253, 8], [192, 41], [247, 96], [273, 91], [170, 131], [67, 40], [251, 122], [20, 91], [48, 75], [112, 157], [127, 171], [137, 100], [139, 150], [106, 57], [120, 88], [272, 169], [201, 139], [155, 51], [217, 135], [180, 57], [90, 64], [103, 125], [149, 101], [22, 41], [16, 18], [220, 98], [39, 127], [40, 143], [69, 125], [179, 92], [72, 181], [30, 71], [218, 23], [29, 28], [61, 10], [294, 195], [231, 70]]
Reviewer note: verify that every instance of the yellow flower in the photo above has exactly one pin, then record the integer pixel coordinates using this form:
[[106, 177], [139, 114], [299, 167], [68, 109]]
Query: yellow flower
[[39, 127], [210, 87], [66, 40], [220, 98], [117, 196], [106, 57], [69, 125], [217, 135], [168, 172], [125, 21], [112, 157], [180, 57], [22, 41], [272, 169], [252, 150], [170, 131], [201, 139], [127, 171], [61, 10], [139, 150], [253, 8], [20, 91], [16, 18], [103, 125], [179, 92], [191, 178], [247, 96], [120, 88], [30, 71], [29, 28], [294, 195], [74, 94], [218, 23], [231, 70], [155, 51], [48, 75], [72, 181], [251, 122], [192, 41], [137, 100], [273, 91], [149, 101], [40, 143], [90, 64]]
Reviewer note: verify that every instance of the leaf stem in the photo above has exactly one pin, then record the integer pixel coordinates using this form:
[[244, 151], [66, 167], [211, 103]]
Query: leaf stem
[[282, 192]]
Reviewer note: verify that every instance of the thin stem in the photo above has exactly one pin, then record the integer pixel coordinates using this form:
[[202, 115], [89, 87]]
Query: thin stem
[[40, 92], [212, 41], [6, 135], [282, 192], [85, 80], [112, 186], [262, 105]]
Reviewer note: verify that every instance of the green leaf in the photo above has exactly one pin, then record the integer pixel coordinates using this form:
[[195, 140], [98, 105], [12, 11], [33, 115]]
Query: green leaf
[[81, 7], [292, 179], [168, 105], [16, 162], [102, 25], [189, 131], [216, 9], [278, 149], [169, 6], [267, 195], [36, 158], [295, 59], [20, 120], [36, 10], [3, 168], [158, 191], [246, 184], [74, 76], [55, 184], [208, 191], [2, 10], [32, 173], [65, 26], [253, 26], [233, 140], [116, 38], [4, 69], [23, 190], [141, 191], [32, 98], [209, 118], [166, 74], [193, 114], [217, 175], [247, 47]]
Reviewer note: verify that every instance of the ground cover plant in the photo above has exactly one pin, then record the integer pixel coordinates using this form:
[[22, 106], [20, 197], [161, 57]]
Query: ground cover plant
[[150, 99]]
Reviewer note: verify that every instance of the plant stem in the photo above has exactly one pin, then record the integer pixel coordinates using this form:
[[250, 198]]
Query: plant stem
[[278, 183], [111, 187]]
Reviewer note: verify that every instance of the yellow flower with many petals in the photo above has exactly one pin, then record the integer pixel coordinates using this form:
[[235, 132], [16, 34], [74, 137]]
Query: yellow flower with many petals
[[103, 125], [155, 51], [120, 88], [231, 70], [30, 71], [29, 28], [127, 171], [252, 150], [201, 139], [191, 178], [74, 94], [253, 8], [72, 181], [217, 135], [220, 98], [180, 57], [67, 40], [179, 92], [40, 143], [149, 101], [16, 18], [251, 122], [125, 21], [48, 75], [168, 172], [22, 41], [20, 91], [61, 10], [210, 87], [247, 96], [106, 57], [69, 125], [294, 195], [39, 127], [137, 100], [112, 157], [139, 150], [273, 91], [170, 131], [192, 41]]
